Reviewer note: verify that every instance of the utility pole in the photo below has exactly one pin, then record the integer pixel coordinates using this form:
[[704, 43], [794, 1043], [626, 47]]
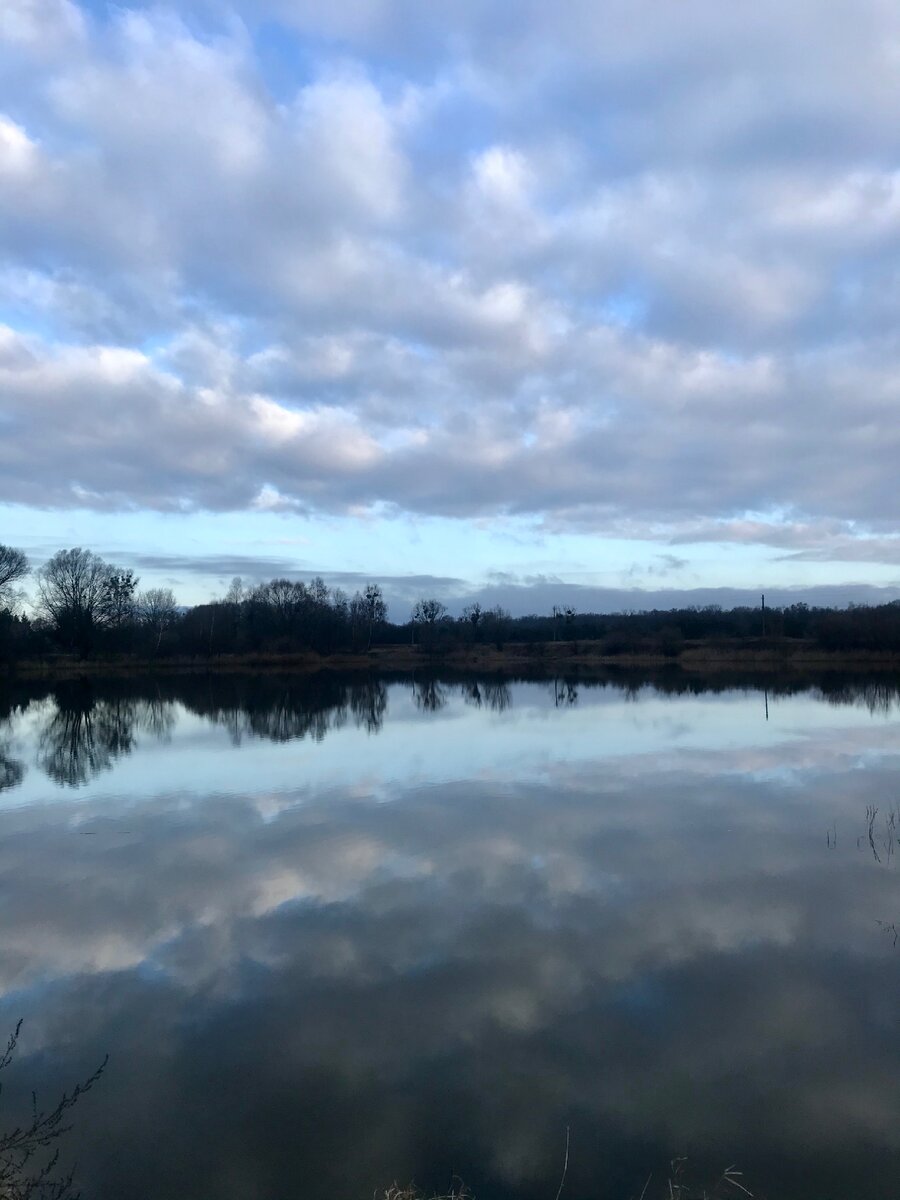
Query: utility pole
[[764, 615]]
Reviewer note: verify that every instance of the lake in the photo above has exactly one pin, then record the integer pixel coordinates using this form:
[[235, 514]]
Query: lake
[[338, 933]]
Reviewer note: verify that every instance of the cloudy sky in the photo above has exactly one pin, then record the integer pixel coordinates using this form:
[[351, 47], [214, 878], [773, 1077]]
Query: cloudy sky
[[599, 292]]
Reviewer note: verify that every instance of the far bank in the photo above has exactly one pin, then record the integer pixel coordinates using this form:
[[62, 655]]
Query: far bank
[[762, 656]]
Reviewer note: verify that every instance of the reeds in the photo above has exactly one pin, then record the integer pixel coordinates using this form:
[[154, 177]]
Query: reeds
[[674, 1184]]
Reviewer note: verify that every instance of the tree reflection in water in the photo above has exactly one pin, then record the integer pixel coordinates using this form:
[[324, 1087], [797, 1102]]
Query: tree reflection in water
[[283, 709], [493, 694], [12, 772], [85, 733], [368, 703], [86, 726], [79, 741], [429, 695]]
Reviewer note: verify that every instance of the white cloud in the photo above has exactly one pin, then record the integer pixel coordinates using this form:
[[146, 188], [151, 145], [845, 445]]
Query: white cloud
[[42, 28], [18, 153], [346, 147]]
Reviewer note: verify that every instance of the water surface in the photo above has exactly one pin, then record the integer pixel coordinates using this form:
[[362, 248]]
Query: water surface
[[335, 934]]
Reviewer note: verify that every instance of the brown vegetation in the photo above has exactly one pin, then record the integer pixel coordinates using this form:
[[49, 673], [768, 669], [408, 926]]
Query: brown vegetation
[[538, 658]]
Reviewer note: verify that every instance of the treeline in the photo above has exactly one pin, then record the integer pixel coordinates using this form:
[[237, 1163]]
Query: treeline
[[85, 606]]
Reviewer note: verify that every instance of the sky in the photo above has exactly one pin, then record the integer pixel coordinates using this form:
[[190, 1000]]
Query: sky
[[596, 299]]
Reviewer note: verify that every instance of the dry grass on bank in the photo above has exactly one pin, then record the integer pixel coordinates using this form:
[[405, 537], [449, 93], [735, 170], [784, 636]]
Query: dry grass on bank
[[547, 658]]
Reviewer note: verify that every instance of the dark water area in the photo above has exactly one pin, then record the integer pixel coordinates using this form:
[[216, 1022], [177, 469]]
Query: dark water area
[[336, 933]]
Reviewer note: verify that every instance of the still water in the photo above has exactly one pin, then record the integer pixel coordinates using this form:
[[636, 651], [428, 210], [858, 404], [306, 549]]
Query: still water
[[337, 934]]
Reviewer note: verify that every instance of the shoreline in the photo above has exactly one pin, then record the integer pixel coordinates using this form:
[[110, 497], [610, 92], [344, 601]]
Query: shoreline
[[552, 658]]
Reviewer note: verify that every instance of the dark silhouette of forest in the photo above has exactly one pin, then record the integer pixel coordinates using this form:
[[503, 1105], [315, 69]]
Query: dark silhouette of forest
[[85, 607]]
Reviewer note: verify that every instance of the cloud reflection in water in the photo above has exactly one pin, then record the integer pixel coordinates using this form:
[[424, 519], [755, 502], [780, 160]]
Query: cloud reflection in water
[[309, 991]]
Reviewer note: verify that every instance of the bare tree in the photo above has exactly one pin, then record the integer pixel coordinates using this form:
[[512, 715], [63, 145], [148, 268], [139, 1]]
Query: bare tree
[[496, 622], [157, 610], [356, 611], [375, 608], [79, 593], [282, 602], [117, 608], [340, 602], [236, 592], [472, 614], [564, 613], [13, 567], [317, 590], [427, 613]]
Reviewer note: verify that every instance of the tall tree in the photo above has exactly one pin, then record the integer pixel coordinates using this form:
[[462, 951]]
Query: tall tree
[[496, 622], [562, 612], [428, 612], [157, 610], [473, 613], [236, 592], [375, 608], [280, 603], [118, 598], [318, 590], [79, 593], [13, 567]]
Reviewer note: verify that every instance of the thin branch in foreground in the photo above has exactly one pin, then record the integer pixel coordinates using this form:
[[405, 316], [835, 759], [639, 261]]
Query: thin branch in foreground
[[23, 1176]]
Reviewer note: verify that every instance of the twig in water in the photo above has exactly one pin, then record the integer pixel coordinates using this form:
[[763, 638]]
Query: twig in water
[[890, 929], [680, 1188], [565, 1166], [729, 1175], [871, 814]]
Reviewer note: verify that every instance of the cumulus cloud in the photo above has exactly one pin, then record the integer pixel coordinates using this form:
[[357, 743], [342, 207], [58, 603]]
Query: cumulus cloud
[[633, 270]]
